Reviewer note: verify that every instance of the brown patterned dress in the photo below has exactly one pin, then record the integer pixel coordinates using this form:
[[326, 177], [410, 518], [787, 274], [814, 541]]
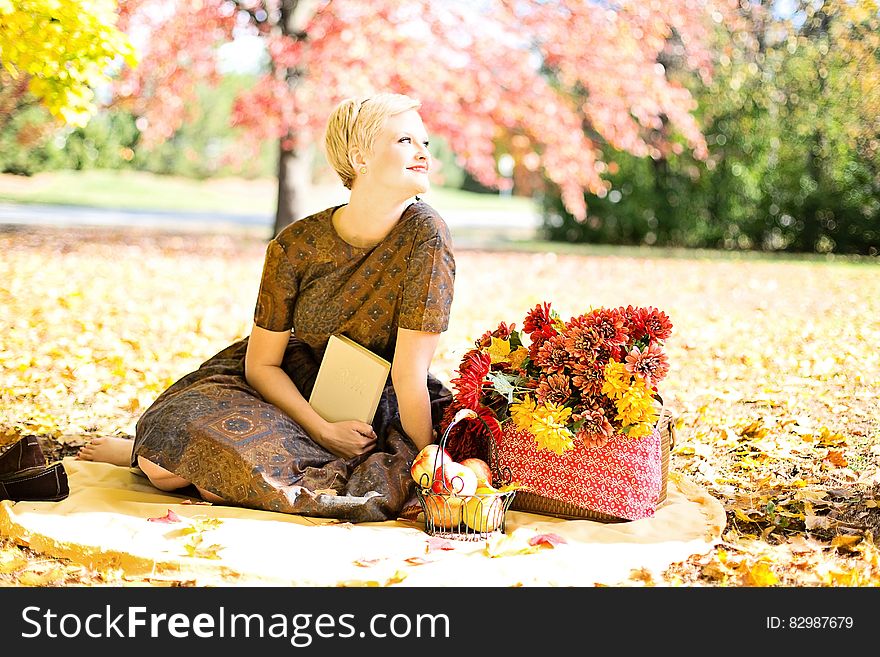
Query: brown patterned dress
[[213, 429]]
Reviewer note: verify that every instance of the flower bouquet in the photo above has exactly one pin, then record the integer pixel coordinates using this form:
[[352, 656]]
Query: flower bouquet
[[573, 408]]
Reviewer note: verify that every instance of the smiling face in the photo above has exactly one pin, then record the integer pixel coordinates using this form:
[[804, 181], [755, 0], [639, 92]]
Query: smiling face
[[400, 160]]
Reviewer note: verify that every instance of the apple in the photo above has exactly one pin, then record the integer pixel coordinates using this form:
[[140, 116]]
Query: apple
[[426, 463], [481, 469], [443, 511], [453, 478], [484, 511]]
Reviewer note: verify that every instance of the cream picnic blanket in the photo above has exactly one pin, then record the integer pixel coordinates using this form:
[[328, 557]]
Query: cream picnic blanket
[[105, 523]]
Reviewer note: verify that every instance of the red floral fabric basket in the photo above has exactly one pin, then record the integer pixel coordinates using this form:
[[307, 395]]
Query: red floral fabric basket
[[622, 480]]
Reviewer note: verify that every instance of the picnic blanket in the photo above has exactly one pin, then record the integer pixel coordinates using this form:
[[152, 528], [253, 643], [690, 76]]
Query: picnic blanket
[[114, 518]]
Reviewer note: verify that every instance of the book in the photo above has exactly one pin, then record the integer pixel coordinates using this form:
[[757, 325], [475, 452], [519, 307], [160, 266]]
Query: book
[[350, 381]]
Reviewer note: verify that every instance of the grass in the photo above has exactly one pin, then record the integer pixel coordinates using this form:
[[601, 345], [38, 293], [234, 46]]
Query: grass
[[146, 191]]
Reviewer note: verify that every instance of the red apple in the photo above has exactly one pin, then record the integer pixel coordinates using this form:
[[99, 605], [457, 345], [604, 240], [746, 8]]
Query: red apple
[[481, 469], [454, 479], [426, 462]]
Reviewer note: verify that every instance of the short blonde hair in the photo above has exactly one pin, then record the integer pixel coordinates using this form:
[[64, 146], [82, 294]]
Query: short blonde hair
[[355, 123]]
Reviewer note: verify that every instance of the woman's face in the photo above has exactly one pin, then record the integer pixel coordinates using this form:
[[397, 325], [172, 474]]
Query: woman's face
[[400, 160]]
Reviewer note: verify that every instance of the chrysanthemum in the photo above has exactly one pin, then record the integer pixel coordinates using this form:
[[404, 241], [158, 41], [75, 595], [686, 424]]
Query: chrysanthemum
[[581, 343], [656, 323], [471, 379], [633, 322], [609, 324], [549, 427], [553, 389], [521, 412], [589, 379], [617, 380], [596, 429], [636, 405], [651, 363], [552, 356], [537, 319]]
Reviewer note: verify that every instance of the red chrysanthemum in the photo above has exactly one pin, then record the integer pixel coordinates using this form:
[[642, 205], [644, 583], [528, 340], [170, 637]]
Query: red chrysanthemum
[[656, 323], [537, 319], [471, 379], [552, 356], [633, 322], [595, 430], [553, 389], [650, 363], [609, 324]]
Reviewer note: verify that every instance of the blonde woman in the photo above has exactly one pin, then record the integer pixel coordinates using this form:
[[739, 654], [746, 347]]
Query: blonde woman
[[380, 270]]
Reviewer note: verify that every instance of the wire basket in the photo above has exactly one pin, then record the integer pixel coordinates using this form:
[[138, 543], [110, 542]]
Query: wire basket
[[452, 513]]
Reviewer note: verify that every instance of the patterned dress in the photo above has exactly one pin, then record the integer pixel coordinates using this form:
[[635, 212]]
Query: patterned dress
[[213, 429]]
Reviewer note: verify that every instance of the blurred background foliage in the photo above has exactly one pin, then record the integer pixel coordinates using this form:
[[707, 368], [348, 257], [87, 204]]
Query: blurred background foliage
[[793, 129], [791, 117]]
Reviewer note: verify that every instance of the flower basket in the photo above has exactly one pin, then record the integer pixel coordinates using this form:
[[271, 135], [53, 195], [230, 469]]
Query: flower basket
[[450, 514], [573, 410], [620, 481]]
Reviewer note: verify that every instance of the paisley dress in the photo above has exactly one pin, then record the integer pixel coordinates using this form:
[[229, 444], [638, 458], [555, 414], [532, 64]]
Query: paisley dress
[[213, 429]]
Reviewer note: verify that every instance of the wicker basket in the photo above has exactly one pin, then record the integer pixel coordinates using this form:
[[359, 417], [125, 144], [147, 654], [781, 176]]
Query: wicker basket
[[465, 518], [532, 502]]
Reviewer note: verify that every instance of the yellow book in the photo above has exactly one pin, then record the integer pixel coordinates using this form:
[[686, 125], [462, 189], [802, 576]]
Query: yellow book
[[350, 381]]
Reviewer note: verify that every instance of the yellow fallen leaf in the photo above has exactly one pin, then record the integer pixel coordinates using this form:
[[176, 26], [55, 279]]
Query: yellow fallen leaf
[[759, 574], [12, 562], [48, 578], [506, 545]]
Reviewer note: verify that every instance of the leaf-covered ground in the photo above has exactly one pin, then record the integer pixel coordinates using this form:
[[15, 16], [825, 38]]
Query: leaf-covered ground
[[775, 373]]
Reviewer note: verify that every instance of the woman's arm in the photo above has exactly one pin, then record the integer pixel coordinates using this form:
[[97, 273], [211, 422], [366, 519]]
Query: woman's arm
[[409, 374], [262, 370]]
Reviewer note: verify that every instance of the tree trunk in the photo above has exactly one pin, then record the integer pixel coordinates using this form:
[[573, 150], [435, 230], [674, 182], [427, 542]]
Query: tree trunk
[[292, 170], [292, 183]]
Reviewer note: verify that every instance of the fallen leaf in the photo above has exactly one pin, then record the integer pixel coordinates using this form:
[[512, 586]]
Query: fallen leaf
[[841, 541], [51, 576], [551, 540], [167, 518], [418, 561], [437, 543], [759, 574], [398, 576], [367, 563], [836, 458]]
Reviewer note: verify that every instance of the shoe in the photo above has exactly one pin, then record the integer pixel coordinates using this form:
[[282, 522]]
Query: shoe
[[47, 484], [23, 457]]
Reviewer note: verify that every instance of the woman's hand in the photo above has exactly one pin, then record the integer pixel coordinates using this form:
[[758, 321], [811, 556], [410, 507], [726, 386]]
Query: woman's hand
[[347, 439]]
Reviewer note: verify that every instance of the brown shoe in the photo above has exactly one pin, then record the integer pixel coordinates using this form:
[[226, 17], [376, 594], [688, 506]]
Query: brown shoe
[[47, 484], [23, 457]]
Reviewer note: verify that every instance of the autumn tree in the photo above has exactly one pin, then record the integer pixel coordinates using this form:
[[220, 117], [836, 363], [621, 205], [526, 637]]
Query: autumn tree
[[57, 54], [543, 70]]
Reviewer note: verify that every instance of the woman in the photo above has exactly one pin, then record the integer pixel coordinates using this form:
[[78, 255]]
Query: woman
[[379, 269]]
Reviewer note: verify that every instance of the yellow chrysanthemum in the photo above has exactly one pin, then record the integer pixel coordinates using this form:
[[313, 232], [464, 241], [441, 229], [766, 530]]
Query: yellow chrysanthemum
[[552, 435], [639, 430], [521, 413], [554, 412], [499, 350], [617, 380]]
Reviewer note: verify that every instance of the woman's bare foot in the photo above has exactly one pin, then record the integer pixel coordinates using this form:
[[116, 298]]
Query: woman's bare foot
[[107, 449]]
